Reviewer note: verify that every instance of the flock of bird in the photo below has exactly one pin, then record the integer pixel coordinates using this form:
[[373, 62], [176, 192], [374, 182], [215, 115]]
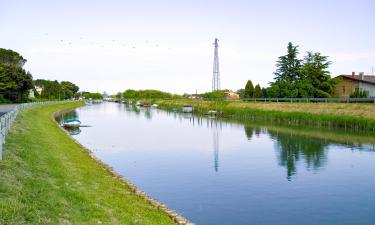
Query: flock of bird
[[110, 43]]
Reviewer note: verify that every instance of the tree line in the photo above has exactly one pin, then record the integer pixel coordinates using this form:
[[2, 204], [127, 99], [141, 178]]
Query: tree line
[[17, 84], [306, 77], [146, 94]]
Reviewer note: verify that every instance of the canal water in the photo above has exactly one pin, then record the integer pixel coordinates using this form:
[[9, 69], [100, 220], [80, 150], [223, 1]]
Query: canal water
[[220, 172]]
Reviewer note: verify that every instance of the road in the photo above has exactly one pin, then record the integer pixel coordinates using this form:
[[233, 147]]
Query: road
[[4, 108]]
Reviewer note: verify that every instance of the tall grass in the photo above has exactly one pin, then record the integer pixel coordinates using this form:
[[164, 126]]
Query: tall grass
[[46, 178], [333, 115]]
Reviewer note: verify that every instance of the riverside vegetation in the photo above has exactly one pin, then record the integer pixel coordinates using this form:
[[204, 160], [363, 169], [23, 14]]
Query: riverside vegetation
[[47, 178], [343, 115]]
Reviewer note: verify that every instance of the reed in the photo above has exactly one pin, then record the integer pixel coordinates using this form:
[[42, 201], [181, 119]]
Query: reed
[[349, 116]]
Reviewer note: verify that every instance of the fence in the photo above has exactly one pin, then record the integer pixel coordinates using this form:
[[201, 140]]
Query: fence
[[8, 118], [345, 100]]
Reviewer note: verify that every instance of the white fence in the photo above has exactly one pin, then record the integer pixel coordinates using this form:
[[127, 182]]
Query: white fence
[[8, 118]]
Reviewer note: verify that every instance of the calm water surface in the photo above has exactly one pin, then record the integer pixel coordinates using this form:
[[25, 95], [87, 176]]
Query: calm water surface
[[216, 172]]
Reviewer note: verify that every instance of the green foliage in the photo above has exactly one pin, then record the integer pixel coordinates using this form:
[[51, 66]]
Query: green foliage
[[359, 93], [88, 95], [288, 66], [53, 90], [258, 92], [14, 83], [69, 89], [11, 58], [147, 94], [307, 78], [249, 90], [215, 94], [241, 92]]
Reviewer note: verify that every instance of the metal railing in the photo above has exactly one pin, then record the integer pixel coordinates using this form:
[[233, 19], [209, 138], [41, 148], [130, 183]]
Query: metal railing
[[7, 119], [345, 100]]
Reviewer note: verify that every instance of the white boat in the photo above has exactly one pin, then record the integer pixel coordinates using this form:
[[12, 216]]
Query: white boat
[[187, 109], [154, 105], [71, 123], [212, 112]]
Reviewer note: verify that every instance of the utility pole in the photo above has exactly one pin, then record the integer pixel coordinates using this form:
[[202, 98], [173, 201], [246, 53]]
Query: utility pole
[[216, 72]]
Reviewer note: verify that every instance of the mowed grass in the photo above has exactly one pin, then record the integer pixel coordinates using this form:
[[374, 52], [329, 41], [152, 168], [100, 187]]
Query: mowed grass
[[46, 178], [354, 116]]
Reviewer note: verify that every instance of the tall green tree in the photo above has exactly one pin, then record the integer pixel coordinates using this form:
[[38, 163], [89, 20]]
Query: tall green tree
[[289, 66], [258, 92], [15, 82], [11, 58], [249, 90], [315, 72], [68, 89], [295, 78]]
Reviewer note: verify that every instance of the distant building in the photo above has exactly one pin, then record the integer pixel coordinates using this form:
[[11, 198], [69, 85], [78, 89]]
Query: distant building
[[31, 94], [194, 96], [39, 89], [347, 84], [230, 95]]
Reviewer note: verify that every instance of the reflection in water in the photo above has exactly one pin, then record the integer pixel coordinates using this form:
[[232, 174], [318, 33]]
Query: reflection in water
[[292, 148], [73, 131], [215, 133]]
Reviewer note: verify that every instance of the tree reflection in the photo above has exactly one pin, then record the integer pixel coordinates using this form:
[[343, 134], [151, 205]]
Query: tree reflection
[[291, 148]]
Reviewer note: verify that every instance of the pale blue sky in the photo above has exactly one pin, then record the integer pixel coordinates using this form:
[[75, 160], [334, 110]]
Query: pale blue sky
[[116, 45]]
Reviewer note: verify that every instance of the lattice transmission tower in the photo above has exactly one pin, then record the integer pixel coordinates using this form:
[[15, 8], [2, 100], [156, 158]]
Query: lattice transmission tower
[[216, 72]]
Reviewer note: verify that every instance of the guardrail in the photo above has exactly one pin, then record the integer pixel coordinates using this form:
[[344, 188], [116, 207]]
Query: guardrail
[[343, 100], [346, 100], [6, 120]]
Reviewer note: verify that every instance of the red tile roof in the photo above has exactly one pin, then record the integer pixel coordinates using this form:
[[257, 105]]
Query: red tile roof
[[366, 78]]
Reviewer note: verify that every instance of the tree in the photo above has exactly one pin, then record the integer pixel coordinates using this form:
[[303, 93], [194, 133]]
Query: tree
[[258, 92], [11, 58], [249, 90], [88, 95], [53, 90], [359, 93], [295, 78], [315, 71], [68, 89], [15, 83], [214, 94], [288, 66]]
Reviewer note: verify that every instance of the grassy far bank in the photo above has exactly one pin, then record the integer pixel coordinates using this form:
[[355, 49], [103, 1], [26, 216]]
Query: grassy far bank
[[356, 116], [46, 178]]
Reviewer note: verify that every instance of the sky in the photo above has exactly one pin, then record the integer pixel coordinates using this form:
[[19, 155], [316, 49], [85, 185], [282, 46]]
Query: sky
[[167, 45]]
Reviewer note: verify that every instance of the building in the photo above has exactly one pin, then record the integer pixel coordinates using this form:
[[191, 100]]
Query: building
[[347, 84], [230, 95], [195, 97], [39, 89]]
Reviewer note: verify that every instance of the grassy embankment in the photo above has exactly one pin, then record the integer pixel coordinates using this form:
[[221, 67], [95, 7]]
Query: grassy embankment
[[46, 178], [354, 116]]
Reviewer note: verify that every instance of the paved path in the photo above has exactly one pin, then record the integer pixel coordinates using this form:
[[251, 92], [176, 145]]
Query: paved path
[[4, 108]]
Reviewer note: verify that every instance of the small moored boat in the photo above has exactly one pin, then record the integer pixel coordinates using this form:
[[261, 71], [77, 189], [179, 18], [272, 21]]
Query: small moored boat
[[71, 123], [212, 112]]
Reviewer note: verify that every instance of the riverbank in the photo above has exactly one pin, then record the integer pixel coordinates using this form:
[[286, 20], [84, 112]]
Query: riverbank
[[47, 178], [354, 116]]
